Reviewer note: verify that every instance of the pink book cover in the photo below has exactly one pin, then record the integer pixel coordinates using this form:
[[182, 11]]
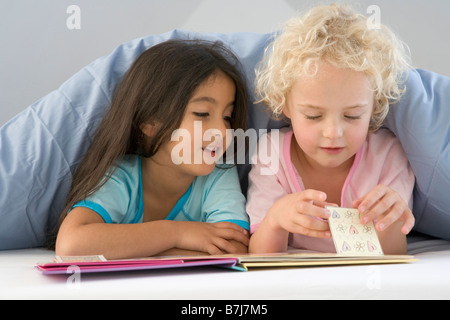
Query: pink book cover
[[93, 264]]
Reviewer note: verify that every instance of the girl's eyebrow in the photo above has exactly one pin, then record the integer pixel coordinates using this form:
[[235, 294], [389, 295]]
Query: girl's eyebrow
[[204, 99], [210, 100], [357, 106], [310, 106]]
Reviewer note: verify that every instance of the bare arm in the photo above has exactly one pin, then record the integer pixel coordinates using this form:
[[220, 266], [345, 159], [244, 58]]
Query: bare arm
[[267, 239], [239, 246], [84, 232]]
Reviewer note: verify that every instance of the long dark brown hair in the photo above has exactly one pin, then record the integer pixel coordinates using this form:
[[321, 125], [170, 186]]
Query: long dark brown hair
[[156, 90]]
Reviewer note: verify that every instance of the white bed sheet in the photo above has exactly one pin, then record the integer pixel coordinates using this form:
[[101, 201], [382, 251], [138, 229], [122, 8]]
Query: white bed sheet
[[428, 278]]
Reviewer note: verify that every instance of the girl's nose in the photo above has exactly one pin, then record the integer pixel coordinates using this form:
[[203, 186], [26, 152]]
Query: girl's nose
[[213, 134], [220, 126], [333, 129], [215, 130]]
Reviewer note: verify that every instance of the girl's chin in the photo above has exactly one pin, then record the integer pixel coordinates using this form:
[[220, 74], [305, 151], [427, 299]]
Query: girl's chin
[[204, 169], [336, 163]]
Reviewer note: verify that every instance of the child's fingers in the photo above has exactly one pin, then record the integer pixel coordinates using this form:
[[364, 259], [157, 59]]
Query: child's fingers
[[224, 246], [310, 209], [308, 226], [312, 195], [213, 249], [317, 234], [386, 206], [397, 212], [371, 198], [386, 203], [221, 240], [393, 214], [356, 203], [409, 222], [312, 203], [311, 223], [376, 203], [323, 204], [231, 231], [231, 225], [299, 229]]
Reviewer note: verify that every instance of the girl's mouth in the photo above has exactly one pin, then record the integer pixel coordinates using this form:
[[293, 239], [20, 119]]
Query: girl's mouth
[[211, 151], [332, 150]]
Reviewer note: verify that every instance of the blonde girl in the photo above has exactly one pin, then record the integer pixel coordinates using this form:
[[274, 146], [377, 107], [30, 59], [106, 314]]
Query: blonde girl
[[332, 76]]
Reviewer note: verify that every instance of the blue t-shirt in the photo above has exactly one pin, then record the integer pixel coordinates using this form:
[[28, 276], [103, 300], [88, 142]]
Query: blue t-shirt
[[212, 198]]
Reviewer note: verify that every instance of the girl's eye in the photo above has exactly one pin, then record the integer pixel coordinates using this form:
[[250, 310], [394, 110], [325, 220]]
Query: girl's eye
[[201, 114], [353, 117], [227, 119], [312, 117]]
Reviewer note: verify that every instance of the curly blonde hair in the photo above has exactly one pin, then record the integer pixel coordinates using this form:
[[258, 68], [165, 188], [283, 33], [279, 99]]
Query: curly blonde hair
[[338, 35]]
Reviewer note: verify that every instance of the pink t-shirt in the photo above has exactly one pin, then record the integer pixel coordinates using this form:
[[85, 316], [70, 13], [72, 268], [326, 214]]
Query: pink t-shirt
[[381, 160]]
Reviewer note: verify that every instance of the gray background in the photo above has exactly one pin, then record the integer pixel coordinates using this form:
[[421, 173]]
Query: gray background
[[38, 51]]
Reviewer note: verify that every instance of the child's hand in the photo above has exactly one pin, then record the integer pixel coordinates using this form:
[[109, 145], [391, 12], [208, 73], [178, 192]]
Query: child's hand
[[213, 238], [385, 206], [302, 213]]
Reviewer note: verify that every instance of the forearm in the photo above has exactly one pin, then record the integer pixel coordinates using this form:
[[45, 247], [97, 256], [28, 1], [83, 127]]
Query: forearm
[[84, 232], [118, 241], [267, 239], [240, 248], [180, 252]]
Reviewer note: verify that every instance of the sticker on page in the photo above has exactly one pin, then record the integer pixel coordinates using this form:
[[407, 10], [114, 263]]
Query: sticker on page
[[350, 236]]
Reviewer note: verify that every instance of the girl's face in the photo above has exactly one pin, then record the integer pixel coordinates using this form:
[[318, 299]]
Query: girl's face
[[201, 139], [330, 115]]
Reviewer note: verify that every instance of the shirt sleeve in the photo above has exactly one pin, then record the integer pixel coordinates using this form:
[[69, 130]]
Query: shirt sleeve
[[117, 200], [223, 199]]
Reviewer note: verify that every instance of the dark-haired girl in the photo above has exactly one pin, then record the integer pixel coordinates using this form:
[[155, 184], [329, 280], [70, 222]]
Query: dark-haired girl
[[136, 192]]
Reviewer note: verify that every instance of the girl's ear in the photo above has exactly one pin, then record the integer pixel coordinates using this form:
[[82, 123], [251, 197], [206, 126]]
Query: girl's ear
[[286, 112], [286, 104], [148, 129]]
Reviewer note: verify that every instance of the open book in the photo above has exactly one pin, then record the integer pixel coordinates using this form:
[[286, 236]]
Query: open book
[[89, 264], [355, 244]]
